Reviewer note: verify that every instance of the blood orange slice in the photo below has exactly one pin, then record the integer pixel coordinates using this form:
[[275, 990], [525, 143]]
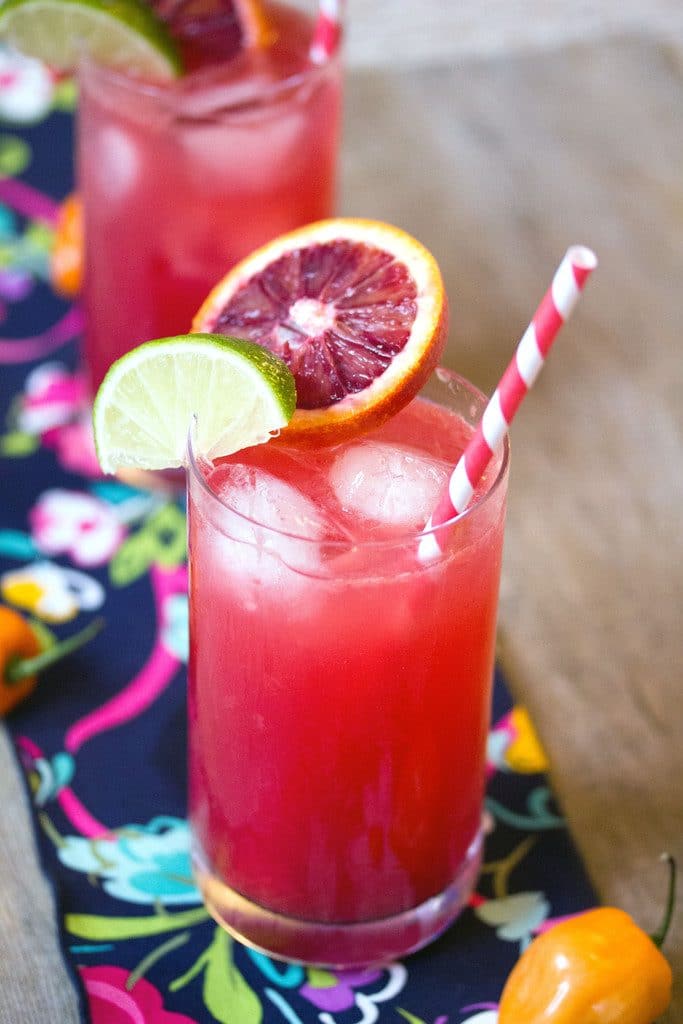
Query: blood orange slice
[[214, 31], [355, 308], [258, 30]]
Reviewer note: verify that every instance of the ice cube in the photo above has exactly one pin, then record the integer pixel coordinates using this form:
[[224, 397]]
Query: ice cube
[[263, 498], [391, 485], [256, 151], [271, 521], [115, 162], [223, 94]]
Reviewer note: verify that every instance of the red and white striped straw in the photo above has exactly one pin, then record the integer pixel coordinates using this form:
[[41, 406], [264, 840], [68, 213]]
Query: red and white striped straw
[[327, 32], [523, 369]]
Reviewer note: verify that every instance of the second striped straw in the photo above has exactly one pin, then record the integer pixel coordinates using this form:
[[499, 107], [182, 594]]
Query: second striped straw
[[327, 32], [523, 369]]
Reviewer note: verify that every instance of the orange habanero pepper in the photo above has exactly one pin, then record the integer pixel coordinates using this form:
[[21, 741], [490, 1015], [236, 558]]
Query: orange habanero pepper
[[596, 968], [21, 657]]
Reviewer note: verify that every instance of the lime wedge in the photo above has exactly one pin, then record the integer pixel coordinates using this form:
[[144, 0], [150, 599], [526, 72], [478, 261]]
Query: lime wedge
[[239, 393], [122, 34]]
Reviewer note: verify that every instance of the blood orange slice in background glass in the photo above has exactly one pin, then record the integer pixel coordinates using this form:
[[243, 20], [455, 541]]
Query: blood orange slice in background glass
[[215, 31], [355, 308]]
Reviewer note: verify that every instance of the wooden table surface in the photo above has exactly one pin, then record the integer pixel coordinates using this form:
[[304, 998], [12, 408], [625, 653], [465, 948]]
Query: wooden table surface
[[497, 165]]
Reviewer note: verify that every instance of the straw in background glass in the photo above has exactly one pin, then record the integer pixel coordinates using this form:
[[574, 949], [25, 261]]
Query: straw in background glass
[[327, 32]]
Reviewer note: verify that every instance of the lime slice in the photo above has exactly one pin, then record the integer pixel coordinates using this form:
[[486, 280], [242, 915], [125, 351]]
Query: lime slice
[[239, 393], [122, 34]]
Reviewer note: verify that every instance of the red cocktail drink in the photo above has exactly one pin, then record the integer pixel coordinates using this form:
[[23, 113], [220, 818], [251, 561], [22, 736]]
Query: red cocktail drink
[[180, 181], [340, 686]]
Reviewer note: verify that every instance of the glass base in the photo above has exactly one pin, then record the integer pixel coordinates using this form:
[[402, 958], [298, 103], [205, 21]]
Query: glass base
[[343, 945]]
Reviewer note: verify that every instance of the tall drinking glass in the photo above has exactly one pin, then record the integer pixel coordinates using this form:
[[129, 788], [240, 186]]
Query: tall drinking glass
[[180, 181], [340, 688]]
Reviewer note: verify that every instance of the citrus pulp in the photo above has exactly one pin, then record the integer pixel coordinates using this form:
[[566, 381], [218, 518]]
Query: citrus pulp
[[357, 310], [236, 393], [215, 31]]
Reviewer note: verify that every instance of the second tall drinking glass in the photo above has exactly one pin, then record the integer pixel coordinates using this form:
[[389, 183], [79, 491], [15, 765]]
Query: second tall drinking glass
[[180, 181]]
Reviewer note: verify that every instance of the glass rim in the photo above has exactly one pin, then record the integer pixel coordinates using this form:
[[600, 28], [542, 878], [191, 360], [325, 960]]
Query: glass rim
[[172, 93], [193, 467]]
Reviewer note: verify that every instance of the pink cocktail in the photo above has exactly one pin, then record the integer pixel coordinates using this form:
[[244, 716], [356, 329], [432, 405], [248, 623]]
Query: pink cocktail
[[340, 686], [180, 181]]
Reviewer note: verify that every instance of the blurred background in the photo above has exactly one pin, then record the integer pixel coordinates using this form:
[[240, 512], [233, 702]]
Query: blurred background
[[387, 32]]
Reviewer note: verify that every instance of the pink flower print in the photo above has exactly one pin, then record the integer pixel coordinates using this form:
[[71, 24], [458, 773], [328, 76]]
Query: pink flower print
[[52, 397], [75, 448], [111, 1001], [55, 406], [26, 87], [76, 524]]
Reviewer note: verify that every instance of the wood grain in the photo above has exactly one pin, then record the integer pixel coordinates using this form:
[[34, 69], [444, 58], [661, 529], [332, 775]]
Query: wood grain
[[395, 33]]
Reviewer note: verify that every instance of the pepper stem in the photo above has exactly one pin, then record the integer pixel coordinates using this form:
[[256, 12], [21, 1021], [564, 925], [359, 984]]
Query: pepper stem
[[20, 668], [660, 935]]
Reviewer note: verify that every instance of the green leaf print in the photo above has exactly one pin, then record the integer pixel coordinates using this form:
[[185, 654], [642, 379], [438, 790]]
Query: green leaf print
[[410, 1017], [161, 541], [17, 445], [317, 978], [15, 155], [65, 95], [102, 929], [227, 996]]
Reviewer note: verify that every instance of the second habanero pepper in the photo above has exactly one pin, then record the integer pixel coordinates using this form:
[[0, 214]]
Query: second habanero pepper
[[21, 657]]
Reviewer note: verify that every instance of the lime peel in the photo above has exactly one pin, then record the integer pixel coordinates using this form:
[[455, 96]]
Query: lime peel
[[125, 35], [239, 393]]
